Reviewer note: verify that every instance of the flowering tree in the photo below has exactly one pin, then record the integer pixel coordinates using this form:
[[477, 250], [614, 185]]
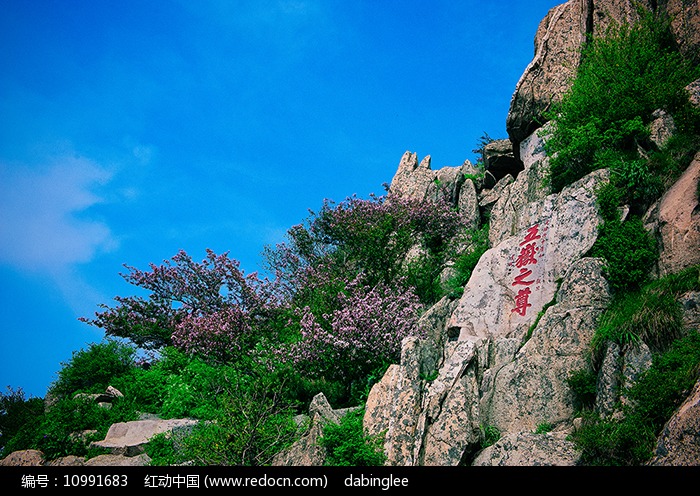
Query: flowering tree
[[361, 335], [371, 237], [196, 306]]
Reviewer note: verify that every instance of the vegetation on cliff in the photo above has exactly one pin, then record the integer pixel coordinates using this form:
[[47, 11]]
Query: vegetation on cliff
[[246, 353], [603, 122]]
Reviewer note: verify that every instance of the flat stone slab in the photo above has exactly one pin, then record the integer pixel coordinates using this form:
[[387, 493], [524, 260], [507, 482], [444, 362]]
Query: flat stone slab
[[128, 438]]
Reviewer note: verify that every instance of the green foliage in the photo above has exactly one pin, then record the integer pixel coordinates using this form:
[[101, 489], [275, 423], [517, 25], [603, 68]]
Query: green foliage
[[346, 444], [58, 431], [145, 389], [638, 185], [474, 177], [624, 76], [543, 428], [653, 398], [627, 442], [17, 415], [609, 199], [247, 418], [583, 386], [629, 250], [430, 377], [489, 435], [423, 274], [91, 370], [163, 451], [665, 385], [651, 314], [484, 140], [477, 242]]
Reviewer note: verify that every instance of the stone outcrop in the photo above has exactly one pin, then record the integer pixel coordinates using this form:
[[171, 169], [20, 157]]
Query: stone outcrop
[[435, 419], [675, 219], [515, 279], [679, 443], [307, 451], [558, 42], [419, 181], [458, 185], [494, 356], [129, 438]]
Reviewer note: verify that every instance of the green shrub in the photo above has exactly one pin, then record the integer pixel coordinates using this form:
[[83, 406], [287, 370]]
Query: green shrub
[[93, 369], [543, 428], [629, 251], [18, 418], [609, 199], [662, 389], [346, 444], [624, 75], [162, 451], [489, 435], [651, 314], [653, 317], [196, 391], [59, 431], [627, 442], [638, 185], [477, 241], [583, 386], [423, 274], [679, 282], [655, 396], [249, 426]]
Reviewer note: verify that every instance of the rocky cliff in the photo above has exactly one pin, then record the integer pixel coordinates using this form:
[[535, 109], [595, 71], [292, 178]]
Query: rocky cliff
[[499, 356], [557, 53]]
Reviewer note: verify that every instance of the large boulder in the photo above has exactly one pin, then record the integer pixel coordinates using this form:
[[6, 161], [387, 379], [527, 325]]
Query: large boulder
[[676, 221], [393, 404], [679, 443], [532, 388], [419, 181], [529, 449], [548, 76], [515, 279], [130, 438], [685, 24], [23, 458], [558, 42]]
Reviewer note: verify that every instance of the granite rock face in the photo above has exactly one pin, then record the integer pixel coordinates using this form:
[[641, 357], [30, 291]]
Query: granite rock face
[[557, 51], [675, 219], [679, 444], [515, 279]]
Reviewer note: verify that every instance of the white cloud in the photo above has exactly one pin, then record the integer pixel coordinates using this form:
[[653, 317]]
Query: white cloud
[[44, 221]]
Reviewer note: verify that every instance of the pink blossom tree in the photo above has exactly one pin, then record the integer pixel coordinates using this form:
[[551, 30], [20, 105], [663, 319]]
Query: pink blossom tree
[[196, 306], [362, 335]]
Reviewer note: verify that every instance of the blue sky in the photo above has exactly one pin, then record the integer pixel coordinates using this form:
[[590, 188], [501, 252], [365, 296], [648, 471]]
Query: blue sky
[[132, 129]]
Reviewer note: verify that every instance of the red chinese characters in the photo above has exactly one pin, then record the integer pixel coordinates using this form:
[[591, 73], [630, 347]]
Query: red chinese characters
[[528, 256]]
